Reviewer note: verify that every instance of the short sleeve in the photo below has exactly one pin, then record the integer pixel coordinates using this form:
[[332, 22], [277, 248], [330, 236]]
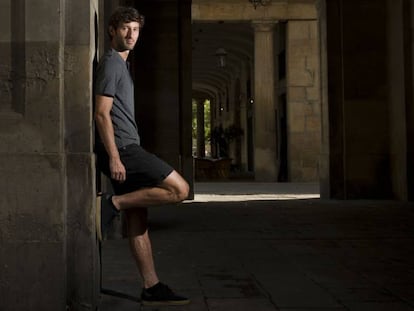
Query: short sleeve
[[106, 77]]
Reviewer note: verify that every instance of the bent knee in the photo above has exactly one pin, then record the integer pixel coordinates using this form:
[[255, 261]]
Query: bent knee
[[178, 187], [182, 192]]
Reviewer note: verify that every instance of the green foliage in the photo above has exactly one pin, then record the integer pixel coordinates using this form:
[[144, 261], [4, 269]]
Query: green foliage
[[207, 119], [194, 120]]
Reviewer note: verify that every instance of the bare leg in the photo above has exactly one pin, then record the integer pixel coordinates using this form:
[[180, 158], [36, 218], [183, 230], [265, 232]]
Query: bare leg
[[173, 189], [140, 245]]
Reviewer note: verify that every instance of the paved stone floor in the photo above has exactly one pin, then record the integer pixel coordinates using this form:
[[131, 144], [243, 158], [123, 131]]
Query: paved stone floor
[[241, 247]]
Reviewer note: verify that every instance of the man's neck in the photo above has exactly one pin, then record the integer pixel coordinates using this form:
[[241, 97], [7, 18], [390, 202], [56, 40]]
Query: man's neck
[[124, 54]]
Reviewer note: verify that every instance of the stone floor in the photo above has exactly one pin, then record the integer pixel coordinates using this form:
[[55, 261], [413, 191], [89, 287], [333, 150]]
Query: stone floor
[[251, 247]]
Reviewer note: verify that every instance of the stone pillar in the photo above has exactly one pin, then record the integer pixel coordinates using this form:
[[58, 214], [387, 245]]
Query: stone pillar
[[324, 163], [201, 148], [410, 104], [358, 109], [265, 157], [243, 117], [237, 122], [303, 101], [83, 273], [400, 70], [48, 253], [33, 200]]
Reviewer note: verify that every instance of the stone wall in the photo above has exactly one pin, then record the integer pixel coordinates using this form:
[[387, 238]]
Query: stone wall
[[48, 246], [400, 81], [81, 20], [367, 110], [303, 101]]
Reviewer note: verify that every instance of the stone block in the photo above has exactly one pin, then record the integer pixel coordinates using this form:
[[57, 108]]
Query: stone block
[[297, 94], [310, 174], [302, 53], [367, 176], [303, 30], [310, 160], [265, 166], [296, 125], [313, 93], [82, 247], [5, 21], [219, 10], [367, 126], [77, 17], [295, 171], [38, 26], [78, 99], [313, 123], [304, 156], [33, 275], [32, 205], [17, 135], [296, 141], [5, 75], [299, 73], [42, 109]]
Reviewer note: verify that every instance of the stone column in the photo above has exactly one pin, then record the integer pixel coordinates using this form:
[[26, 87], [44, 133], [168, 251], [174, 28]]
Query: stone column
[[303, 100], [47, 229], [243, 117], [358, 110], [83, 271], [400, 98], [201, 149], [265, 156]]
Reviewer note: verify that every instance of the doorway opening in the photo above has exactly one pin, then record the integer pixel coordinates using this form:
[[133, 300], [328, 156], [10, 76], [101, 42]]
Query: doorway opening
[[201, 128]]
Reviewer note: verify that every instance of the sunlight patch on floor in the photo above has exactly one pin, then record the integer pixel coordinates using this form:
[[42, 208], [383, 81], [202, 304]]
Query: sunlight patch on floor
[[250, 197]]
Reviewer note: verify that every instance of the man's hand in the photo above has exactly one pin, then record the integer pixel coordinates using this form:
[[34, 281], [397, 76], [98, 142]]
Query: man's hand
[[118, 171]]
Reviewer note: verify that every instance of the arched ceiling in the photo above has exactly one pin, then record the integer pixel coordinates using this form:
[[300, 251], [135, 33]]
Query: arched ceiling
[[235, 38], [227, 24]]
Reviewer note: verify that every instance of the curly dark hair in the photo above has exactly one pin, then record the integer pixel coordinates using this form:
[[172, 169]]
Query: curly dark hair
[[125, 15]]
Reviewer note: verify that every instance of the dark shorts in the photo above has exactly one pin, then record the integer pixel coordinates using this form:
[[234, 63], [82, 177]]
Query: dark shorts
[[143, 169]]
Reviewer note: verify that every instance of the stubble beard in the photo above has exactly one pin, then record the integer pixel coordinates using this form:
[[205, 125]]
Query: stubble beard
[[122, 45]]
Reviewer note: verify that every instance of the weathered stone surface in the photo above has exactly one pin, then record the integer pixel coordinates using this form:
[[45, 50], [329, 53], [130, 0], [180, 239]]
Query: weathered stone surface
[[43, 101], [207, 10], [82, 247], [78, 99], [5, 21], [304, 100], [33, 275], [32, 204], [43, 14], [47, 206], [265, 166]]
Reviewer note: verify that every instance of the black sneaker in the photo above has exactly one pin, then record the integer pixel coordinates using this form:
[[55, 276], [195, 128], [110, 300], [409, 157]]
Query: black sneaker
[[161, 295], [105, 213]]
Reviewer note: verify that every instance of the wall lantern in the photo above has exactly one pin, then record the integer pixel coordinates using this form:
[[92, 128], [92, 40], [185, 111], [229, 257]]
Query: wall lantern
[[259, 2], [221, 55]]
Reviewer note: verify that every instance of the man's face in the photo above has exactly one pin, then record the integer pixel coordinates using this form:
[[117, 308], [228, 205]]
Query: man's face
[[125, 36]]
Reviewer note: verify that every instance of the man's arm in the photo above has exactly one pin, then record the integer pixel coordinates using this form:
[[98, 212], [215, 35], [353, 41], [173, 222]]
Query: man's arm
[[103, 106]]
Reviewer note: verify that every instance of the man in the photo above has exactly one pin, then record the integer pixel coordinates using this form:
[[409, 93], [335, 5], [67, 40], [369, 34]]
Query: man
[[139, 178]]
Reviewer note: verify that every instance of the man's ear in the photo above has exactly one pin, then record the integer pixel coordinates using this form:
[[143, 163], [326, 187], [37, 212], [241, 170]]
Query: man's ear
[[111, 31]]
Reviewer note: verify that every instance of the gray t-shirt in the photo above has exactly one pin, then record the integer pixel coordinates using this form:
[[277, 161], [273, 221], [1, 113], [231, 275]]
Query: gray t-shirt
[[114, 80]]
